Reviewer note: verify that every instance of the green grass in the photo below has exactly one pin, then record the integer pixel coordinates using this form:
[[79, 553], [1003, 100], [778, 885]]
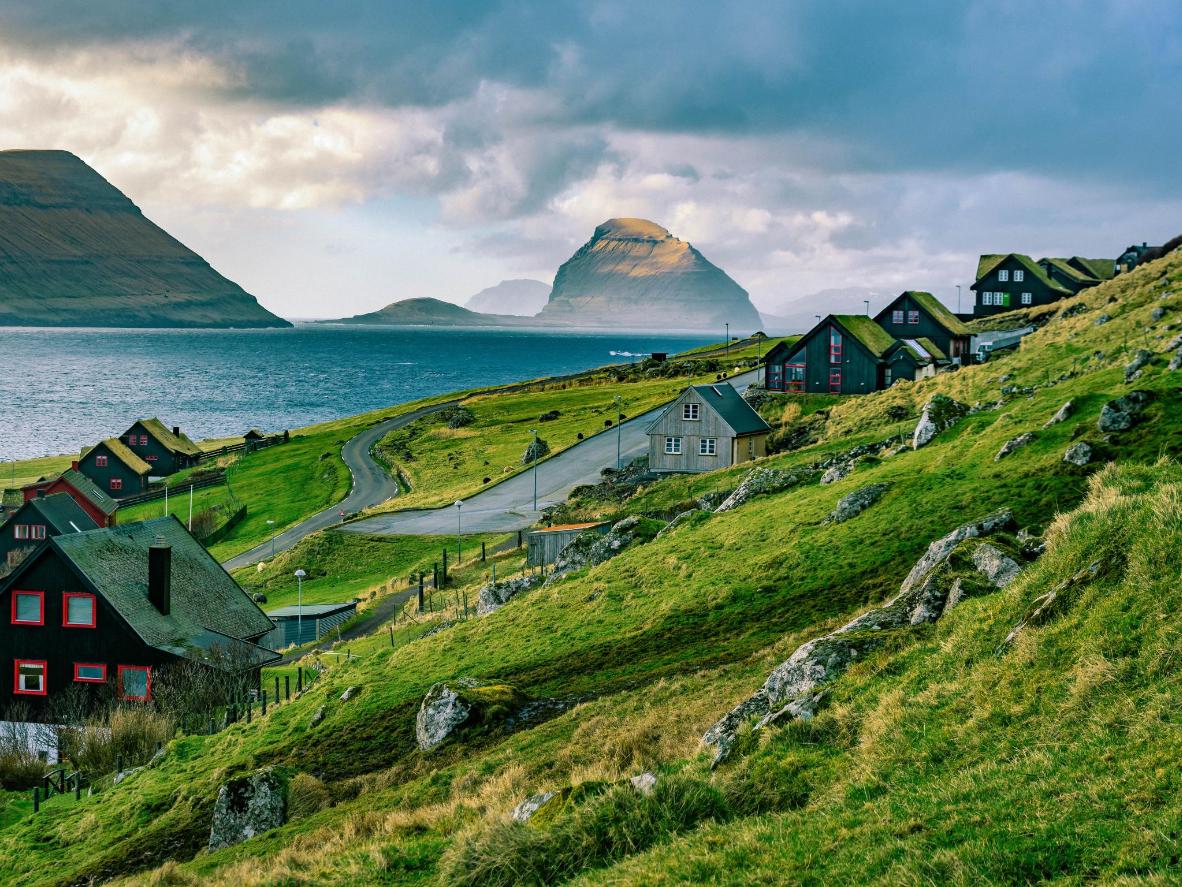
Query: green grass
[[935, 759]]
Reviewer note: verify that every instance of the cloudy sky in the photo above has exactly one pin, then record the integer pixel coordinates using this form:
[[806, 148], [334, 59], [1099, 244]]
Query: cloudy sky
[[334, 157]]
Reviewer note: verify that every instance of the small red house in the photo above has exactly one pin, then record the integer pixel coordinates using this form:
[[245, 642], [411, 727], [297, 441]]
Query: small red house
[[100, 507]]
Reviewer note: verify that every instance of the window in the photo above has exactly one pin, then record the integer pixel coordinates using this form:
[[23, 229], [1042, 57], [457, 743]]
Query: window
[[131, 440], [20, 531], [1019, 276], [37, 531], [673, 446], [151, 457], [100, 461], [834, 345], [28, 677], [708, 446], [1003, 275], [794, 376], [750, 448], [28, 608], [1027, 298], [689, 412], [143, 440], [835, 381], [135, 682], [897, 316], [116, 484], [90, 672], [913, 317], [887, 379], [78, 610]]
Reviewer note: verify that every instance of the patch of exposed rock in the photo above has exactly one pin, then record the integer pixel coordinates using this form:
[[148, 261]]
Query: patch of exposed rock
[[1061, 415], [1014, 444], [590, 549], [1122, 413], [495, 595], [1141, 359], [853, 504], [246, 807], [452, 706], [1043, 607], [1079, 454], [940, 413], [758, 482], [441, 713], [837, 472], [791, 690]]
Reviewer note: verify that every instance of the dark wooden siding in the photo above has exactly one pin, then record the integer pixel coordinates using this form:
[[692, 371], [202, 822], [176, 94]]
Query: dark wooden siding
[[927, 327], [132, 482], [163, 460], [1040, 293], [860, 370]]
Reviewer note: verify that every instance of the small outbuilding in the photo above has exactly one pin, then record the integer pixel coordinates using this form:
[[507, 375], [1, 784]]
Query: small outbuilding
[[544, 546], [304, 624], [706, 427]]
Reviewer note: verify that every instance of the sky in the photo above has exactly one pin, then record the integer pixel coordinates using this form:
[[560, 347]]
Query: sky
[[336, 157]]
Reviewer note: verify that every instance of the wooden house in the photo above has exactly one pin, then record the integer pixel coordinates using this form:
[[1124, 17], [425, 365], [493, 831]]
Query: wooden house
[[1131, 257], [1077, 273], [35, 522], [166, 452], [1012, 281], [100, 507], [849, 354], [115, 468], [706, 427], [253, 436], [915, 315], [104, 609], [543, 546], [302, 625]]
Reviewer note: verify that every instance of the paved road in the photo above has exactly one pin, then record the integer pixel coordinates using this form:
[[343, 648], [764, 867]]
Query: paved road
[[509, 505], [371, 486]]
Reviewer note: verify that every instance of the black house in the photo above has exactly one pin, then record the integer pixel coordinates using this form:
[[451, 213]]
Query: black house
[[1133, 256], [1012, 281], [39, 519], [105, 608], [918, 315], [101, 507], [166, 452], [115, 469], [848, 354]]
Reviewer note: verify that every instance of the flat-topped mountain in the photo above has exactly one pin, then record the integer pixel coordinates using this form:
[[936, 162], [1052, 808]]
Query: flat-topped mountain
[[634, 273], [428, 312], [75, 251], [522, 297]]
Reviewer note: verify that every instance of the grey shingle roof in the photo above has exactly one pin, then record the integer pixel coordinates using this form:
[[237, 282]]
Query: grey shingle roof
[[736, 412], [204, 597], [90, 491], [62, 513]]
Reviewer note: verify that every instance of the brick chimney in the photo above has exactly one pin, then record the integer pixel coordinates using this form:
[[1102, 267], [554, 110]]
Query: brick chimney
[[160, 575], [176, 430]]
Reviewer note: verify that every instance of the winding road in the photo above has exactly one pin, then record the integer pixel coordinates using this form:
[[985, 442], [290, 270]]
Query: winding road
[[371, 486]]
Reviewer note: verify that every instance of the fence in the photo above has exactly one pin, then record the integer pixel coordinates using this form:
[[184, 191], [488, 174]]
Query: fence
[[248, 446], [210, 480]]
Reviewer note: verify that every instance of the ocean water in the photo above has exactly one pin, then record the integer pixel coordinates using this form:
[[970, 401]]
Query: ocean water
[[63, 389]]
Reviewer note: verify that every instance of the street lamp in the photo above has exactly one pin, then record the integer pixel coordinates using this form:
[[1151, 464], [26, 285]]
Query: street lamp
[[619, 430], [534, 432], [459, 532], [958, 298], [300, 574], [866, 302], [271, 530]]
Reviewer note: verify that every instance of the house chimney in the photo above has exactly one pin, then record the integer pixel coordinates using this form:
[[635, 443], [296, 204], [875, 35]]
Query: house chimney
[[176, 430], [74, 464], [160, 575]]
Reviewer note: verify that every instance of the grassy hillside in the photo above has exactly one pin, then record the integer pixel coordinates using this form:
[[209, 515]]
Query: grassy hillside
[[944, 756]]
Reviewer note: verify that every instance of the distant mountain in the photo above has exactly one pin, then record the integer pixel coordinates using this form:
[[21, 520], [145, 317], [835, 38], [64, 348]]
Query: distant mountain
[[799, 314], [522, 297], [633, 273], [428, 312], [74, 251]]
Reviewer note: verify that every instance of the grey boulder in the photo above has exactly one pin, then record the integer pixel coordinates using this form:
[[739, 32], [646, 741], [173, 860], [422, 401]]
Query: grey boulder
[[1141, 358], [441, 714], [1120, 414], [855, 503], [758, 482], [1061, 415], [1078, 454], [247, 807], [495, 595], [939, 413], [1015, 444]]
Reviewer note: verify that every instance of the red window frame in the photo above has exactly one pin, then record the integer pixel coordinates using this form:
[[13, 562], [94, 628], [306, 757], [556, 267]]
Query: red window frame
[[66, 623], [791, 384], [100, 461], [38, 532], [20, 532], [913, 317], [38, 594], [16, 677], [143, 440], [835, 381], [81, 680], [151, 457], [834, 345], [148, 684], [116, 483]]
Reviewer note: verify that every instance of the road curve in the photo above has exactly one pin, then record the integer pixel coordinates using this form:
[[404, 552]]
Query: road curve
[[371, 486], [509, 505]]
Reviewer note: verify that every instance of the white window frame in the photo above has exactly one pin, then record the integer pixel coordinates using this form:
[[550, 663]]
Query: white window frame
[[691, 412], [1003, 276], [673, 446], [1019, 276], [1027, 298], [708, 446]]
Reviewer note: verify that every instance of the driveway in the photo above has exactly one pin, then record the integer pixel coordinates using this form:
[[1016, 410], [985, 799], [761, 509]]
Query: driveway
[[510, 505], [371, 486]]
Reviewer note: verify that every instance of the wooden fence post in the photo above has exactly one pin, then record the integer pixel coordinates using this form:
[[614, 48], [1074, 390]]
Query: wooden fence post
[[276, 689], [299, 679], [36, 799], [287, 687], [483, 553], [264, 708]]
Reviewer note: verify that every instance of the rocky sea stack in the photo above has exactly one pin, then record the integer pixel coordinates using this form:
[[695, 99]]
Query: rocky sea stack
[[633, 273], [75, 252]]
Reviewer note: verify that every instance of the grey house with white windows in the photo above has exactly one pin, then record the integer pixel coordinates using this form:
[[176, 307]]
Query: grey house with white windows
[[707, 427]]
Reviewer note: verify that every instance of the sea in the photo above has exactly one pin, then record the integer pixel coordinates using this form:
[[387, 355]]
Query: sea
[[61, 389]]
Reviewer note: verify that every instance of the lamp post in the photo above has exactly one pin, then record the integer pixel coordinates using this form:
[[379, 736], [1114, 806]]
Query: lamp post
[[619, 431], [271, 530], [534, 433], [300, 574], [866, 302], [459, 532], [958, 298], [728, 342]]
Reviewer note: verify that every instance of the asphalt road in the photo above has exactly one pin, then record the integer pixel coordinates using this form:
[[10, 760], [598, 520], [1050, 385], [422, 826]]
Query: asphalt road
[[371, 486], [510, 505]]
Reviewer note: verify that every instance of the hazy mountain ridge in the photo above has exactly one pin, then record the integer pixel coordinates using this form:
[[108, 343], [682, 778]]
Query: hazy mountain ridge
[[429, 312], [75, 251], [521, 297]]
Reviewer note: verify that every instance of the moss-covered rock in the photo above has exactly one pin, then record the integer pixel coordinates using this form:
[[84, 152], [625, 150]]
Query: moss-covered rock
[[452, 707]]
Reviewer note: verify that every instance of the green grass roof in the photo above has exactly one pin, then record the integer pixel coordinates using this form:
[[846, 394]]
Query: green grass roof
[[931, 348], [1101, 269], [877, 340], [939, 312], [123, 453], [1063, 266], [984, 267], [177, 443], [988, 262]]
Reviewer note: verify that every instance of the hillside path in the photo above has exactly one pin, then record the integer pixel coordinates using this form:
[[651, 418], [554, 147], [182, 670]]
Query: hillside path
[[371, 486], [509, 505]]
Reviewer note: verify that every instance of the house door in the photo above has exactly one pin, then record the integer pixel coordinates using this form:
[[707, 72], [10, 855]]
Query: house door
[[835, 381]]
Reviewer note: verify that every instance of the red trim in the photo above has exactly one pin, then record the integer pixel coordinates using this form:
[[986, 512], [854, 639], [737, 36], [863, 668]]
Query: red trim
[[834, 345], [66, 623], [148, 696], [100, 461], [116, 483], [39, 594], [835, 381], [791, 384], [80, 680], [16, 677]]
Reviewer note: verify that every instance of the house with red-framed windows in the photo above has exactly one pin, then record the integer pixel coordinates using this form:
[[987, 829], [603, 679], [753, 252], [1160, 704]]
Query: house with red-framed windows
[[107, 608], [848, 354], [166, 452], [915, 315], [101, 508], [115, 469], [31, 525]]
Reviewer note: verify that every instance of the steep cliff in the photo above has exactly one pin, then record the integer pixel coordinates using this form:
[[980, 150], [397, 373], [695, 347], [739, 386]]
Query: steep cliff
[[634, 273], [74, 251]]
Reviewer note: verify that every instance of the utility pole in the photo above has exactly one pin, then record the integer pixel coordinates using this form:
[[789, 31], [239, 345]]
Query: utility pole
[[958, 298], [459, 532], [728, 343], [866, 302], [619, 431], [534, 432], [300, 574]]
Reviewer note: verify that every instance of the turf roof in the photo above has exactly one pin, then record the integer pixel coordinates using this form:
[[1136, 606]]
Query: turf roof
[[876, 340], [120, 451], [1101, 269], [988, 263], [177, 443], [939, 312]]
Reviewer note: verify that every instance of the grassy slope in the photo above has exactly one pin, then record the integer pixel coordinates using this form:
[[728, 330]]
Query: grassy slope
[[666, 637]]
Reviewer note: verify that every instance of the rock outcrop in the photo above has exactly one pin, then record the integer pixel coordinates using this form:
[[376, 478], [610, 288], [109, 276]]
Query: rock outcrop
[[1061, 415], [495, 595], [440, 714], [452, 706], [247, 807], [1013, 444], [1078, 454], [853, 504], [75, 252], [591, 549], [1122, 413], [790, 691], [1141, 358], [758, 482], [940, 413], [633, 273]]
